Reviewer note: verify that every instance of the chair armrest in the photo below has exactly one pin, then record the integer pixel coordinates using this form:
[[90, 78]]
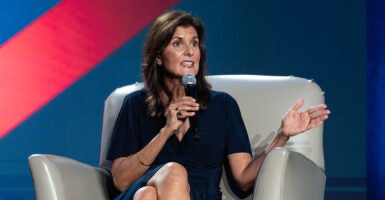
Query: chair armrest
[[57, 178], [288, 175]]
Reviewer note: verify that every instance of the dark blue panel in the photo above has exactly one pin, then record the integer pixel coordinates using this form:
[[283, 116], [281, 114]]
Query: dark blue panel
[[345, 188], [16, 14], [376, 99]]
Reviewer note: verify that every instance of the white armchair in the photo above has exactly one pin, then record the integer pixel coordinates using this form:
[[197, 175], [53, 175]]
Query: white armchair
[[294, 172]]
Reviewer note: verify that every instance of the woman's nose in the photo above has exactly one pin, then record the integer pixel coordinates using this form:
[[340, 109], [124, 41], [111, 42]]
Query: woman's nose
[[189, 50]]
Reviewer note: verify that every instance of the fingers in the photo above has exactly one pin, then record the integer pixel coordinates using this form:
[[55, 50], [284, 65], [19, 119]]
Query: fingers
[[298, 105], [295, 122], [318, 111], [183, 107], [318, 114], [314, 112], [179, 110], [316, 108], [315, 122]]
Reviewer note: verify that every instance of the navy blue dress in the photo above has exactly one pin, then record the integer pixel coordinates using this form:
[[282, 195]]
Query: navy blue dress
[[222, 132]]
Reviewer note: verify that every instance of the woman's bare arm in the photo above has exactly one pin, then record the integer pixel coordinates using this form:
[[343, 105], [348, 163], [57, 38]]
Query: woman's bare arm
[[245, 169], [126, 170]]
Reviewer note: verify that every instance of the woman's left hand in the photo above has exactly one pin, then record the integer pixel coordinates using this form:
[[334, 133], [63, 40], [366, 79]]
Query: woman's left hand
[[295, 122]]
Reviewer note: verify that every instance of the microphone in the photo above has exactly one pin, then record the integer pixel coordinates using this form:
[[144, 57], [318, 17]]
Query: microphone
[[189, 83]]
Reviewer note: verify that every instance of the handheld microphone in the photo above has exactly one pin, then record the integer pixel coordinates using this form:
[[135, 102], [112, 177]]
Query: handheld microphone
[[189, 83]]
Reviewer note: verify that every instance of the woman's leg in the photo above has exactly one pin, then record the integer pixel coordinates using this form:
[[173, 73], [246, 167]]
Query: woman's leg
[[146, 193], [171, 182]]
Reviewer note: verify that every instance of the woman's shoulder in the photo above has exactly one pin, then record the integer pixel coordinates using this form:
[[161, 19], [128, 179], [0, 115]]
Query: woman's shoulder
[[136, 96], [221, 95], [222, 102]]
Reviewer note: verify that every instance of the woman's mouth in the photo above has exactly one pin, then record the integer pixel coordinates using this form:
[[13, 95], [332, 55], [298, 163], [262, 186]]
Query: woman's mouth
[[187, 63]]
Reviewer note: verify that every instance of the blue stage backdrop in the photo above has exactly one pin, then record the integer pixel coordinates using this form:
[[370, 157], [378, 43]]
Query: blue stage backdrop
[[376, 99], [59, 60]]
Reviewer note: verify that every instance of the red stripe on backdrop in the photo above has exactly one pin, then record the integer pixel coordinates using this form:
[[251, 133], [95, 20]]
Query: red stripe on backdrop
[[62, 45]]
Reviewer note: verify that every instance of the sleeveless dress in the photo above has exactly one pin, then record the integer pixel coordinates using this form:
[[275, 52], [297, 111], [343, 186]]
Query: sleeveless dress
[[222, 132]]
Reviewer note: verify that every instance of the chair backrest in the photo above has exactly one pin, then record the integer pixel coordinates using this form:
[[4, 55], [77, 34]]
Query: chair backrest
[[263, 101]]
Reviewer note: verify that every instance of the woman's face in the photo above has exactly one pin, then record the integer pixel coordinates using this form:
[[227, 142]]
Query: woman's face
[[182, 55]]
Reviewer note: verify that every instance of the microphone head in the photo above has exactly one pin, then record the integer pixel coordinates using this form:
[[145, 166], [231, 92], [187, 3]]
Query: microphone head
[[189, 79]]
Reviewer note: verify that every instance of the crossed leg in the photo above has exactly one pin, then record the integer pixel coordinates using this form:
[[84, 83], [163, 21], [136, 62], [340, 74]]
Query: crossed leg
[[169, 182]]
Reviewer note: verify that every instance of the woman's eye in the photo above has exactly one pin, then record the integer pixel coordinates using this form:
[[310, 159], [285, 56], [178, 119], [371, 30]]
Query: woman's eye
[[195, 44], [176, 44]]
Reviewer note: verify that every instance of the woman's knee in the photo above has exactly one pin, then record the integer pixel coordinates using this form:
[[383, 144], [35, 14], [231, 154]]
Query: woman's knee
[[174, 169], [171, 182], [146, 192], [172, 173]]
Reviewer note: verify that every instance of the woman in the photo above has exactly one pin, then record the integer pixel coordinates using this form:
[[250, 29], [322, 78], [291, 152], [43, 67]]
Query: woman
[[154, 152]]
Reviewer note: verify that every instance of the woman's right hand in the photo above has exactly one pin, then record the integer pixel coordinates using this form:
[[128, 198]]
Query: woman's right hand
[[178, 111]]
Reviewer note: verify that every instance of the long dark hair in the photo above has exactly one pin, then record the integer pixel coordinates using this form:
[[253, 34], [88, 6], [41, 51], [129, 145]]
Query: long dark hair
[[157, 39]]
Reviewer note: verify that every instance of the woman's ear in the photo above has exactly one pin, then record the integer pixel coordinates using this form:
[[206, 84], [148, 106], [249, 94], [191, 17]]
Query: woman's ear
[[158, 61]]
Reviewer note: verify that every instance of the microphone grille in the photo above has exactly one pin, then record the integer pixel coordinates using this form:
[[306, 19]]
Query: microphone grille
[[189, 79]]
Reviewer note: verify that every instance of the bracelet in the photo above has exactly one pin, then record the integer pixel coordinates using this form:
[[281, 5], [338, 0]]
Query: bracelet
[[142, 163]]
